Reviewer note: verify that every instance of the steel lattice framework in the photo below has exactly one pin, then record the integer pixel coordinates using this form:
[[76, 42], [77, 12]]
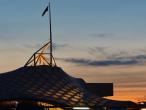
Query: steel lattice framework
[[51, 85]]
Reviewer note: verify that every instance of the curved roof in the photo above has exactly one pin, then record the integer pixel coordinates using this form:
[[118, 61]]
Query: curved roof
[[47, 84]]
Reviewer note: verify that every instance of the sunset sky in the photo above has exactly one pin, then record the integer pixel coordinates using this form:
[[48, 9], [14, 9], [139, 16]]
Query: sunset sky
[[97, 40]]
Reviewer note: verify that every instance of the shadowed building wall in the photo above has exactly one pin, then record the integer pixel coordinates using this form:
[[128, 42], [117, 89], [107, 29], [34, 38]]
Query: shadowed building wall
[[100, 89]]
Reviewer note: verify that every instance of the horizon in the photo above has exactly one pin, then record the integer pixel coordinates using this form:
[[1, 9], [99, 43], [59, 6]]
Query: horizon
[[98, 41]]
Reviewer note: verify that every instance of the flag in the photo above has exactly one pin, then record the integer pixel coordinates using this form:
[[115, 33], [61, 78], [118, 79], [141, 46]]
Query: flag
[[45, 11]]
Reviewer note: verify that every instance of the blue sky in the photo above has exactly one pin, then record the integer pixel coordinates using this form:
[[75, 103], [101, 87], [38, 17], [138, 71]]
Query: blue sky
[[107, 36], [77, 20]]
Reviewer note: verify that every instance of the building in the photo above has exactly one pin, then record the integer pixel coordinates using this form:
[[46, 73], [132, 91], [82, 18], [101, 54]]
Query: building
[[41, 85], [49, 87]]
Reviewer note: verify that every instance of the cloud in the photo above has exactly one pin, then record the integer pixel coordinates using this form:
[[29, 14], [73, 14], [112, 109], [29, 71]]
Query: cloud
[[138, 57], [100, 50], [120, 61], [37, 46], [101, 35], [60, 46], [103, 56], [88, 62], [133, 84], [32, 46], [108, 53]]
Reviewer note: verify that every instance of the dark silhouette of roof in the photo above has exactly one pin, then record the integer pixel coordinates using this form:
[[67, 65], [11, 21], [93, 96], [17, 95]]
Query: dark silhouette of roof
[[100, 89], [48, 84]]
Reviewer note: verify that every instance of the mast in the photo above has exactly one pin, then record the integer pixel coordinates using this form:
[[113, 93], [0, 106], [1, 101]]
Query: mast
[[50, 23], [39, 57]]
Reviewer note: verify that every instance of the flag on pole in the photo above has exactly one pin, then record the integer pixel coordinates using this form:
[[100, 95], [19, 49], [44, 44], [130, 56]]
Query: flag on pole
[[45, 11]]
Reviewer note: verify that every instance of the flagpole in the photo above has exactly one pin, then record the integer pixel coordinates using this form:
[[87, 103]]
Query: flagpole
[[50, 35]]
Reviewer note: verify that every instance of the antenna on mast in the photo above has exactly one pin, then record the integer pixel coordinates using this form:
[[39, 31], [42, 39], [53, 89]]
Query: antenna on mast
[[39, 57], [51, 55]]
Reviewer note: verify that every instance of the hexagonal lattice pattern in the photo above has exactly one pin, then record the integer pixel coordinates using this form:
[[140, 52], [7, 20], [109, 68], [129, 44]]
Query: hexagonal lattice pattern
[[49, 84]]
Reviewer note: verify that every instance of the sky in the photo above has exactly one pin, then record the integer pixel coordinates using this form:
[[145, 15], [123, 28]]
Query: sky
[[97, 40]]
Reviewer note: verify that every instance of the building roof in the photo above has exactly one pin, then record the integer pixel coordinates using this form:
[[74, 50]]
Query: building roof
[[48, 84], [100, 89]]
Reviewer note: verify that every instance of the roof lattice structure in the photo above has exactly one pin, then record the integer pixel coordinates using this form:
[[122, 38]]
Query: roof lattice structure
[[48, 84]]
